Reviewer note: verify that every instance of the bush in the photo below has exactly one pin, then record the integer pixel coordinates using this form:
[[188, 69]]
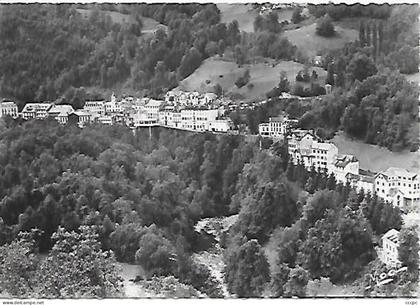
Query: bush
[[325, 27], [243, 80]]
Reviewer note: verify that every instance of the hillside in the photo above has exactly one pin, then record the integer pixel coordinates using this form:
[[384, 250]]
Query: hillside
[[245, 15], [264, 76], [311, 44], [377, 158], [149, 25]]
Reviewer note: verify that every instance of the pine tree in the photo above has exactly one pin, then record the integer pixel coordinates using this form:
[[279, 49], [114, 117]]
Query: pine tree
[[374, 39], [380, 37], [367, 35], [362, 34], [330, 75], [408, 252]]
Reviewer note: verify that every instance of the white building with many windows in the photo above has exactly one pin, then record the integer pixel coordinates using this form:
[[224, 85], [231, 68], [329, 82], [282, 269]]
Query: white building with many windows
[[35, 110], [8, 108], [277, 127], [97, 108], [398, 186], [151, 108], [306, 148], [389, 252]]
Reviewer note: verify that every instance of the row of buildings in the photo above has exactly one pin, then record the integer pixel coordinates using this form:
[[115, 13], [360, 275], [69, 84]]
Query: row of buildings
[[182, 111], [395, 185]]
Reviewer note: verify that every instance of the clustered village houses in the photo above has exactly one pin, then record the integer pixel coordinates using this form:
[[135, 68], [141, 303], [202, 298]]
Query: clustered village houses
[[205, 112], [181, 110]]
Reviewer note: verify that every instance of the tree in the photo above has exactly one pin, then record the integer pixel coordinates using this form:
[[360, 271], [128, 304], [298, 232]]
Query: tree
[[330, 75], [362, 34], [297, 15], [284, 85], [279, 280], [247, 270], [408, 252], [325, 27], [190, 61], [258, 23], [77, 267], [18, 265], [361, 66], [296, 284], [375, 39], [243, 80], [156, 253], [367, 34]]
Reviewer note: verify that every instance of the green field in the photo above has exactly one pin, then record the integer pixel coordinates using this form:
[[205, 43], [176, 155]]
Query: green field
[[377, 158], [311, 44], [264, 76]]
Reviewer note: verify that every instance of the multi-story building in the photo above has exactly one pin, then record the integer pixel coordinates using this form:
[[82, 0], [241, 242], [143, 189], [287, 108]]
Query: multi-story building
[[8, 108], [60, 113], [277, 127], [197, 118], [105, 120], [306, 148], [398, 186], [364, 180], [342, 166], [220, 125], [80, 117], [151, 108], [97, 108], [389, 252], [113, 107], [170, 118], [35, 110]]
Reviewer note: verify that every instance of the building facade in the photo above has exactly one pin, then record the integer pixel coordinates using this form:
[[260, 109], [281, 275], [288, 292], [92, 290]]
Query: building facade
[[8, 108], [389, 251], [306, 148], [35, 110], [398, 186]]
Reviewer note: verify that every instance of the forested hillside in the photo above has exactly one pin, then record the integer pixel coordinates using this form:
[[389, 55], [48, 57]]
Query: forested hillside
[[141, 198], [49, 51]]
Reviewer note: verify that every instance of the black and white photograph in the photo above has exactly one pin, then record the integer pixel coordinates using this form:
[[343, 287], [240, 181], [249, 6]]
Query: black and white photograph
[[209, 150]]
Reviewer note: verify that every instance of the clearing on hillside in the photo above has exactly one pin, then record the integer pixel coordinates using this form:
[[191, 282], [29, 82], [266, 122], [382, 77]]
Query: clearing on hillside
[[264, 76], [311, 44], [377, 158], [245, 15]]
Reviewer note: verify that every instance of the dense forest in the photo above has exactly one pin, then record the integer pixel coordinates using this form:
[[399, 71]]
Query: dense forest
[[100, 194]]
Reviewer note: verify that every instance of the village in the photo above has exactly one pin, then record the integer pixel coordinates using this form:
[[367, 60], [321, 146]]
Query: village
[[180, 110], [192, 111]]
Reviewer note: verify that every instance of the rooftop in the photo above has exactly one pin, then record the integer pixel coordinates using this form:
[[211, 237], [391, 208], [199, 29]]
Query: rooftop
[[392, 235], [395, 171], [343, 160]]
